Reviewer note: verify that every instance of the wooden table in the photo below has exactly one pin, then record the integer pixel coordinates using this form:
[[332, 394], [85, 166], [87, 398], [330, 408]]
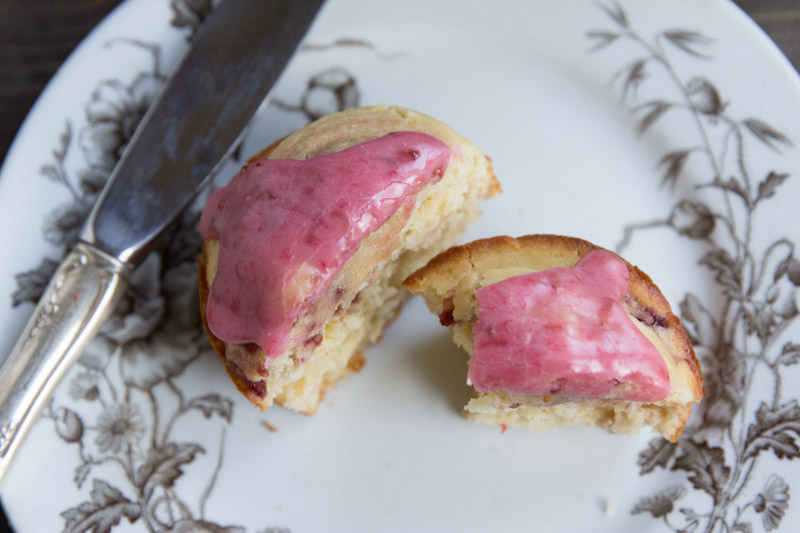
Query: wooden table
[[37, 35]]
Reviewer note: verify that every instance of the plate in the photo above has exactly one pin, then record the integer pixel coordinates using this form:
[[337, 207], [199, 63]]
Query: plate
[[665, 131]]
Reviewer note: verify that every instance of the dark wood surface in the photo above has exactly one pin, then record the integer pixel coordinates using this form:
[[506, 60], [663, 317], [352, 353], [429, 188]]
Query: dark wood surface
[[37, 35]]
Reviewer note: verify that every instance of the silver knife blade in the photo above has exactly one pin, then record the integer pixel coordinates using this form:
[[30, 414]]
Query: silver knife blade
[[184, 138], [249, 43]]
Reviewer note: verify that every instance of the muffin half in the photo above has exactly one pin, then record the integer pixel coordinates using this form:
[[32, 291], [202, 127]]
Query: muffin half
[[560, 331], [302, 263]]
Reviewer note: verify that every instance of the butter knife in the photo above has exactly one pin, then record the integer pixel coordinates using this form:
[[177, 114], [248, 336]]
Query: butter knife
[[187, 134]]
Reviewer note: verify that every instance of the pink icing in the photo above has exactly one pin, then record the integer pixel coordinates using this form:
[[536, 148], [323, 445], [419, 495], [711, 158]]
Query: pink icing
[[564, 332], [287, 227]]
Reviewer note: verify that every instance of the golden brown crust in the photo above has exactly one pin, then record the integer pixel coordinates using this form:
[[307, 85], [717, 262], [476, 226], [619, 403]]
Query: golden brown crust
[[492, 252], [494, 186], [439, 279], [263, 154], [218, 345]]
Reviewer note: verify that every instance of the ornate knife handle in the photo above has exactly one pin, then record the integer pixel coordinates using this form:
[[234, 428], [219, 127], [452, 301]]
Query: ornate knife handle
[[81, 295]]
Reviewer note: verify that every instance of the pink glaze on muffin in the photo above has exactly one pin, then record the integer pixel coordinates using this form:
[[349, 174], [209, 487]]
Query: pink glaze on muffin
[[564, 332], [286, 228]]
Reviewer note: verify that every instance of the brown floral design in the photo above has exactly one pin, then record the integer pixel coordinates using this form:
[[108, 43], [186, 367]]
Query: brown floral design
[[117, 419], [741, 337]]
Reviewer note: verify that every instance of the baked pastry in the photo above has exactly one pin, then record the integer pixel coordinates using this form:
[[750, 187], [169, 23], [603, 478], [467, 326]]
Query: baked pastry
[[560, 331], [304, 253]]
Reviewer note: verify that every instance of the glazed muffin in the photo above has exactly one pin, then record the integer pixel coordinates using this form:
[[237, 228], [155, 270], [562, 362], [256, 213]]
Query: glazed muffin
[[304, 253], [562, 332]]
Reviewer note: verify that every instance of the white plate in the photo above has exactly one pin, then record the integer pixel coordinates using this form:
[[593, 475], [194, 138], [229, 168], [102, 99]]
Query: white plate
[[148, 433]]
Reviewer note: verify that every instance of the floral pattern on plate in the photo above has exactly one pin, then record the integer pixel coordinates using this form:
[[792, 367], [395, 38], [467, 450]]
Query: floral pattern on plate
[[118, 418], [758, 286], [123, 409]]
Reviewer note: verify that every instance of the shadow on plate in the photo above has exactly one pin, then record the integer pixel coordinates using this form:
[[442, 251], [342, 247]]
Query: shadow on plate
[[442, 366]]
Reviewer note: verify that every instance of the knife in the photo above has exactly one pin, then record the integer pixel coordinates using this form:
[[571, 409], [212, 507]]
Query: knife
[[187, 134]]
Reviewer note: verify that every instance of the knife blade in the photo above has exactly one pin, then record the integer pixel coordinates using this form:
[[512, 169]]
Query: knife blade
[[187, 134]]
